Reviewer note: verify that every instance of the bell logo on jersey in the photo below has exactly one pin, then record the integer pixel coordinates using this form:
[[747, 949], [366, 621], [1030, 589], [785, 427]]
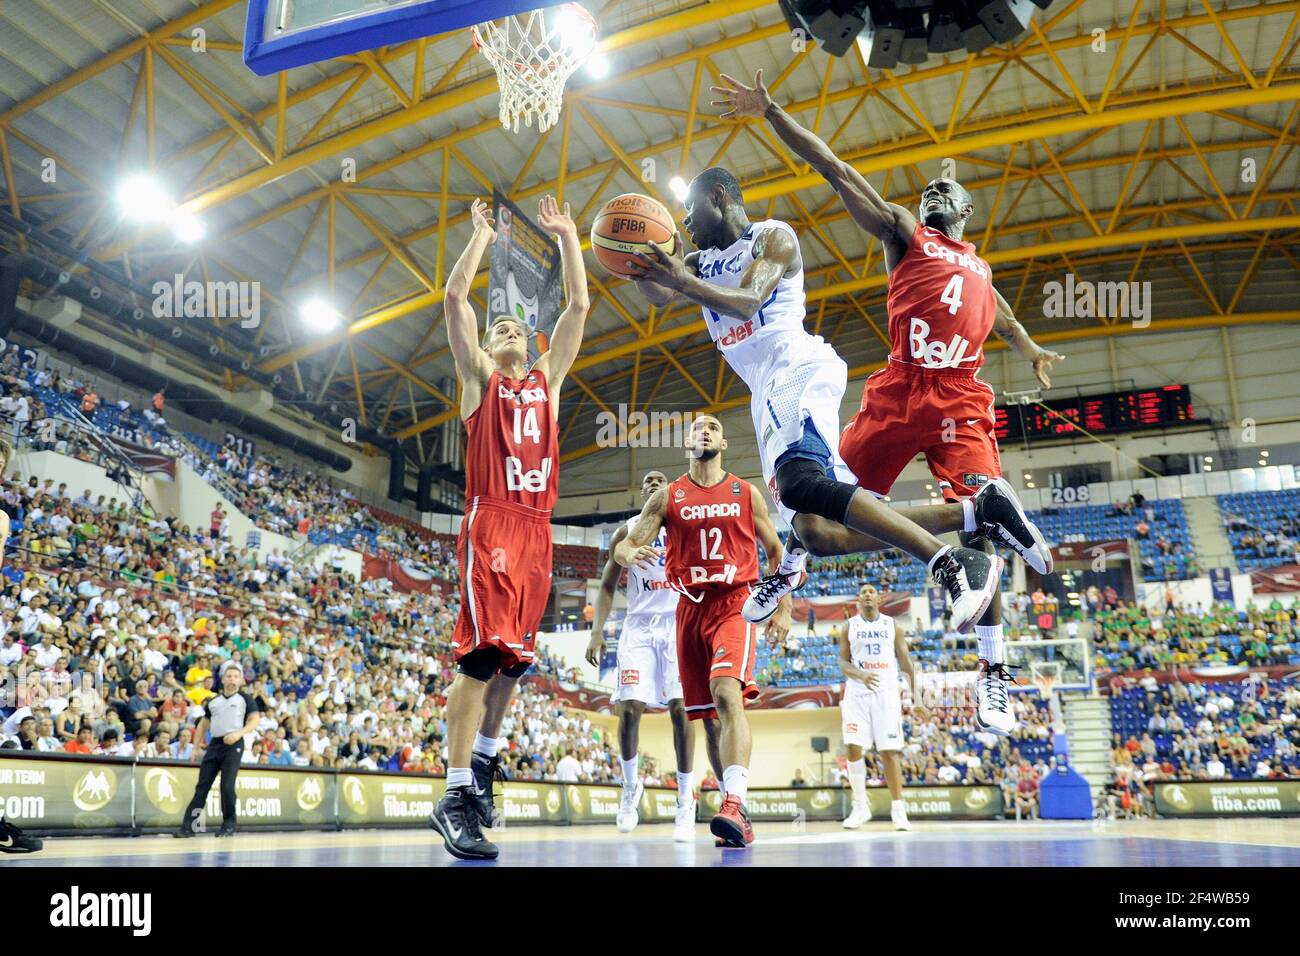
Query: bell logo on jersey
[[937, 354], [738, 333], [726, 576], [534, 480]]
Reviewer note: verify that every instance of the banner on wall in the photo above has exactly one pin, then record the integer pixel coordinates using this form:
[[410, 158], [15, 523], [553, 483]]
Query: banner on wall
[[1235, 798], [1279, 580], [524, 274], [837, 608], [795, 805], [406, 576], [1221, 584]]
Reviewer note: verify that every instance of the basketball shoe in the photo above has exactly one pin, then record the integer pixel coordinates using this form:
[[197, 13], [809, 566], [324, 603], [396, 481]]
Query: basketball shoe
[[1000, 518], [731, 825], [629, 812], [456, 818], [684, 822], [14, 840], [766, 595], [993, 707], [486, 771], [971, 578], [860, 814]]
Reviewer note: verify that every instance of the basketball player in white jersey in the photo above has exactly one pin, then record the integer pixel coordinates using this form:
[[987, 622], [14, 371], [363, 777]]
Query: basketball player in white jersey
[[748, 279], [647, 669], [872, 651]]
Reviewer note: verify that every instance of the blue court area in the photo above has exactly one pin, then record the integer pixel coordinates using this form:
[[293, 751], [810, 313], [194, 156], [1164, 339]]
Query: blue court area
[[1155, 843]]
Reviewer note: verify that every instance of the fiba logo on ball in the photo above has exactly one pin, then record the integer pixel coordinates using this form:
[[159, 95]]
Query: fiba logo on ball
[[553, 802], [162, 789], [94, 790], [354, 794], [821, 799], [1178, 798], [978, 798], [311, 793], [575, 800]]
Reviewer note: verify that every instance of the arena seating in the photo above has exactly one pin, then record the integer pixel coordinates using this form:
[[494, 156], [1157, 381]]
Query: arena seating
[[1104, 523], [1250, 516]]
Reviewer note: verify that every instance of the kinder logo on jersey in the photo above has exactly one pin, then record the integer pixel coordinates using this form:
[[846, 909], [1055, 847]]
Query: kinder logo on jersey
[[738, 333], [702, 512], [656, 585], [534, 480], [937, 354], [936, 251], [525, 396], [629, 677]]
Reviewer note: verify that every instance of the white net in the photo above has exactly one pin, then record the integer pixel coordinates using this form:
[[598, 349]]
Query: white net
[[1046, 675], [534, 54]]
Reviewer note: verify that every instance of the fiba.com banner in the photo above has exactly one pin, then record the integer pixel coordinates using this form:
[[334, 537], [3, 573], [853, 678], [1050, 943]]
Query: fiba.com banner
[[1232, 798]]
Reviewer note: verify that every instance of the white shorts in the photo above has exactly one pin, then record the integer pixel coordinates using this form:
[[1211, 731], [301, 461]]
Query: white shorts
[[798, 403], [647, 661], [872, 720]]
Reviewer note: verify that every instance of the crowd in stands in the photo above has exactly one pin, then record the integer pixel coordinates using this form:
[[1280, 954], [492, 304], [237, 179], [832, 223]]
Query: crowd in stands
[[1262, 526]]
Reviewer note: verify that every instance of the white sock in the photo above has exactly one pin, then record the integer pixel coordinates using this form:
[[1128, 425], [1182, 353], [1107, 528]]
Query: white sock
[[629, 773], [736, 781], [858, 780], [968, 515], [792, 561], [897, 806], [990, 642], [684, 794], [459, 777], [487, 746], [937, 555]]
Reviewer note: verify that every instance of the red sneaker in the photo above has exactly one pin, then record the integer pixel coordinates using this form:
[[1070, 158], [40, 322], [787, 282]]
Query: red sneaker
[[731, 825]]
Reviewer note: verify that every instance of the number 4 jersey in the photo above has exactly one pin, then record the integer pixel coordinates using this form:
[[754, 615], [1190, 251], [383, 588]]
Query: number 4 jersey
[[512, 452]]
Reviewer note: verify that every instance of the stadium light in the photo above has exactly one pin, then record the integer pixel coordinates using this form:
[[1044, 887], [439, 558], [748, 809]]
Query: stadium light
[[677, 186], [319, 315], [598, 66], [143, 198], [187, 226]]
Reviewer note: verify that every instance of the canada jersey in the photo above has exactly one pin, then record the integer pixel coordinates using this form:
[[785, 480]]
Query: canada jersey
[[871, 648], [941, 303], [648, 592], [757, 346], [512, 451], [711, 540]]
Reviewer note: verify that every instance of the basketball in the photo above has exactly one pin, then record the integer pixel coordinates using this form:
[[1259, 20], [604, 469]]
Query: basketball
[[627, 224]]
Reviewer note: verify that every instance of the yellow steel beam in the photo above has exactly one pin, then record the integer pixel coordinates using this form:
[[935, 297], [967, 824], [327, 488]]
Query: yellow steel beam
[[395, 248]]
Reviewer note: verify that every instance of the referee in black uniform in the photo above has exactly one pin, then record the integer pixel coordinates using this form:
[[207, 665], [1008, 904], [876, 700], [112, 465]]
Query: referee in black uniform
[[232, 715]]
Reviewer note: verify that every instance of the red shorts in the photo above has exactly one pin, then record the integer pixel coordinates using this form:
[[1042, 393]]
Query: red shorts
[[504, 553], [713, 640], [945, 414]]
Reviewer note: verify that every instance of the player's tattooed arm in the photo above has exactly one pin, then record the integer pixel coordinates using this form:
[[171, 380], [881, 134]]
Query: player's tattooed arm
[[778, 625], [890, 223], [605, 600], [775, 254], [566, 339], [472, 365], [1009, 329], [636, 549], [847, 667]]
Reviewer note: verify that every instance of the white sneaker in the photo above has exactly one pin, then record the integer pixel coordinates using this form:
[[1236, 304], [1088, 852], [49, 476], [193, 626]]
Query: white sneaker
[[860, 814], [684, 823], [899, 816], [971, 578], [629, 809], [993, 706], [765, 596]]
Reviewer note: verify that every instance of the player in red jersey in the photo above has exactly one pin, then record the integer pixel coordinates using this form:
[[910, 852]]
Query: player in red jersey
[[929, 400], [713, 520], [504, 549]]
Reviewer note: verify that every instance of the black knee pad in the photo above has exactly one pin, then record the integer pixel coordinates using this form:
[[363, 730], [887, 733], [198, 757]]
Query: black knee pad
[[805, 488], [481, 664]]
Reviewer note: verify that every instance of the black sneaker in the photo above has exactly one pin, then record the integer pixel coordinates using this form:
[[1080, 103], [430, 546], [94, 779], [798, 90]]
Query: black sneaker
[[971, 578], [226, 832], [1001, 519], [14, 840], [486, 770], [183, 833], [456, 819]]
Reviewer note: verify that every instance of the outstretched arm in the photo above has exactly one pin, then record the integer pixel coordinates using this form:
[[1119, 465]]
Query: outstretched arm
[[775, 251], [890, 223], [566, 338], [605, 600], [462, 325], [778, 626], [1009, 329], [636, 548]]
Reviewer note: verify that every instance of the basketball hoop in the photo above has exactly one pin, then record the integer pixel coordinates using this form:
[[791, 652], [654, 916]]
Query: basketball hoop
[[533, 60], [1045, 675]]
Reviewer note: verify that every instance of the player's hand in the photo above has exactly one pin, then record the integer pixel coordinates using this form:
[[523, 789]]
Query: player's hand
[[596, 649], [778, 625], [553, 219], [645, 557], [481, 215], [870, 680], [919, 713], [231, 738], [659, 267], [742, 101], [1042, 363]]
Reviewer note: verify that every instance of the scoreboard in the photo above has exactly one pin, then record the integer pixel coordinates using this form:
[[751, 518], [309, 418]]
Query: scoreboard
[[1113, 412]]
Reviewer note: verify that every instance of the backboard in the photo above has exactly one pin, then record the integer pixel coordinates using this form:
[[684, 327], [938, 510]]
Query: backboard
[[1068, 657], [280, 34]]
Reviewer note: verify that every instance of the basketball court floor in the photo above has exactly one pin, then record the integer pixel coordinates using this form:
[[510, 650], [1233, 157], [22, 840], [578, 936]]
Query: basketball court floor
[[1140, 843]]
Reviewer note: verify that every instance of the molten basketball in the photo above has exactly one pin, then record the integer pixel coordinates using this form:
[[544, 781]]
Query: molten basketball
[[627, 224]]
